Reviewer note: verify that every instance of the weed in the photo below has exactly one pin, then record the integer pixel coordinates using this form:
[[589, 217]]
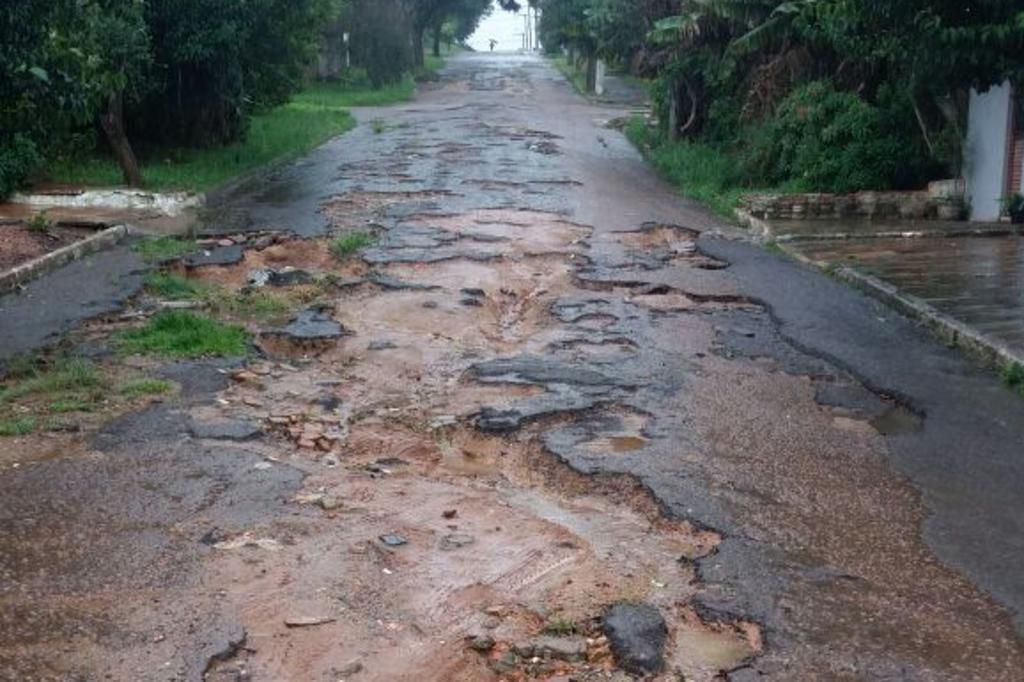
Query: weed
[[17, 426], [63, 376], [169, 286], [39, 223], [560, 627], [140, 387], [72, 404], [164, 249], [772, 246], [348, 244], [250, 305], [379, 126], [179, 333], [1013, 376], [22, 366]]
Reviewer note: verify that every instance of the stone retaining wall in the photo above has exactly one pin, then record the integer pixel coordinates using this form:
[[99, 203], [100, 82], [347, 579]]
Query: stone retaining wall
[[941, 201]]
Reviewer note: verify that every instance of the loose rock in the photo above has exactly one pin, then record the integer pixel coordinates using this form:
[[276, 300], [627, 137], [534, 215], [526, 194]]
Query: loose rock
[[637, 634]]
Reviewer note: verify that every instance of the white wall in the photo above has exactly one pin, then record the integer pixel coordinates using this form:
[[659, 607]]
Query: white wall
[[988, 131]]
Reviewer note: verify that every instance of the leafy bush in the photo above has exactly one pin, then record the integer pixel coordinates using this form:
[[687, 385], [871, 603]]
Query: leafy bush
[[824, 140], [19, 158]]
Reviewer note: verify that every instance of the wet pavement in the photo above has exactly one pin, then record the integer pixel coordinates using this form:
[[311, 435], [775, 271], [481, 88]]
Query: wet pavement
[[564, 423], [976, 280]]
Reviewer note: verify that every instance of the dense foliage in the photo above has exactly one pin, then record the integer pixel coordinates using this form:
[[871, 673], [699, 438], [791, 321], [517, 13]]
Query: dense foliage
[[184, 73], [832, 95]]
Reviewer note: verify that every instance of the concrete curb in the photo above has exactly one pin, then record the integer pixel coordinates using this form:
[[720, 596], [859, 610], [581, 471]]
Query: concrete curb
[[948, 329], [20, 274]]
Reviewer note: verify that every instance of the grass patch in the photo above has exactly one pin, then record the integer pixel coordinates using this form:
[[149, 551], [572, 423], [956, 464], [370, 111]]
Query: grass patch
[[183, 334], [164, 249], [312, 117], [576, 77], [137, 388], [344, 246], [253, 305], [702, 172], [62, 386], [176, 287], [560, 627], [1013, 377], [17, 426], [65, 376]]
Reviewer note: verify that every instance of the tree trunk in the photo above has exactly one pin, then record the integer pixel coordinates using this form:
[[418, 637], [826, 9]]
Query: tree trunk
[[591, 72], [437, 41], [674, 107], [112, 121], [417, 46]]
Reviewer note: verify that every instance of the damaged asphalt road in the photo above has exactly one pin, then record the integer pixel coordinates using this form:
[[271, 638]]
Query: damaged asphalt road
[[555, 422]]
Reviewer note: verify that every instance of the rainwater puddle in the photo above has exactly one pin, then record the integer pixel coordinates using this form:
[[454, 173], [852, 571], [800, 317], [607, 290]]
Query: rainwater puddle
[[896, 421]]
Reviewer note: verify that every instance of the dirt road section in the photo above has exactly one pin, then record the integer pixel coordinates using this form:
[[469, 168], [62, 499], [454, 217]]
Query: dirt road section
[[533, 431]]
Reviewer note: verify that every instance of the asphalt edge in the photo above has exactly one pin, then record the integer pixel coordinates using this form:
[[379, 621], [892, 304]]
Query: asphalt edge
[[20, 275]]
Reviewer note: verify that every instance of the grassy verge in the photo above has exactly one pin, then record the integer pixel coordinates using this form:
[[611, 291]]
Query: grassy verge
[[163, 249], [701, 172], [576, 77], [312, 117], [59, 392]]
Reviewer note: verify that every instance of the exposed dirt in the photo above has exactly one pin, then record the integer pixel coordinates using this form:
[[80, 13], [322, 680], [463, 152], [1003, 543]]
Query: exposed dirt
[[19, 244], [479, 434]]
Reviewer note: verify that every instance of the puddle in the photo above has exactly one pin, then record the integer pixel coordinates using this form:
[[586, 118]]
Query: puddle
[[896, 421], [703, 651], [618, 444]]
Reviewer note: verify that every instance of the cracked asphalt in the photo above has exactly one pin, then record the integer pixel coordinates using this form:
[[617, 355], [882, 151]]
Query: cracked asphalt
[[560, 387]]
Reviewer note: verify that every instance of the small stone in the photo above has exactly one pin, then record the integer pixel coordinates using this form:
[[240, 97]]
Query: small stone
[[307, 444], [330, 460], [506, 664], [262, 466], [381, 345], [492, 623], [330, 502], [252, 402], [481, 643], [351, 668], [450, 513], [245, 376], [561, 648], [524, 649], [393, 540], [430, 305], [324, 444], [456, 541], [225, 242], [306, 621], [470, 302]]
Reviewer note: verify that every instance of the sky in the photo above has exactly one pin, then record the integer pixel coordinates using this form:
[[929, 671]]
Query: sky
[[505, 27]]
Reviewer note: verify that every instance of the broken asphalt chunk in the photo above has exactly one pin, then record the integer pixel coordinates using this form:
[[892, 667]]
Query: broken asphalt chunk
[[637, 634]]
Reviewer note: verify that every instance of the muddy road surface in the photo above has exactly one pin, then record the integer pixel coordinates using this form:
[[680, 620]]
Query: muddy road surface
[[553, 423]]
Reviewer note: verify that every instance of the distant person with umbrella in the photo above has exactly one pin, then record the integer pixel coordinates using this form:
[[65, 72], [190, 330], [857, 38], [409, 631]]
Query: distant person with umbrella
[[493, 43]]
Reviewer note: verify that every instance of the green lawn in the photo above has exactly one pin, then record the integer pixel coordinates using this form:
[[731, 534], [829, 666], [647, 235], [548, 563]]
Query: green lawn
[[311, 118]]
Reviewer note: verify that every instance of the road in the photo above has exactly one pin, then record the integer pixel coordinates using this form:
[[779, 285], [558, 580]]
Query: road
[[560, 387]]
